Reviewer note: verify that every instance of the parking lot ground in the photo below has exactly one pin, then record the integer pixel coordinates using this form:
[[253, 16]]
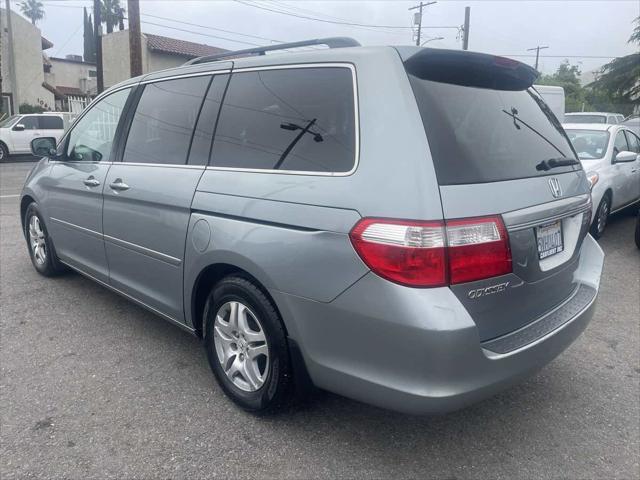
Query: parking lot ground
[[92, 386]]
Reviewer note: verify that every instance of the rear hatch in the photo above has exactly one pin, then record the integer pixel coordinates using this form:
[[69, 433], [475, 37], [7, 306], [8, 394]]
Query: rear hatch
[[498, 151]]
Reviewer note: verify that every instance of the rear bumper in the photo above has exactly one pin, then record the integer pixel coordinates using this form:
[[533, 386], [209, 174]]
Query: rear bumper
[[417, 350]]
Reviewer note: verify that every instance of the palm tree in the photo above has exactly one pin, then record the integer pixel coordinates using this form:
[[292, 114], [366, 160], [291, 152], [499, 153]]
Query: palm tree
[[112, 14], [32, 9]]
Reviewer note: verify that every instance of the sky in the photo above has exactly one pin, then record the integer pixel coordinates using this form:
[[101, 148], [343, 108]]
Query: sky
[[587, 33]]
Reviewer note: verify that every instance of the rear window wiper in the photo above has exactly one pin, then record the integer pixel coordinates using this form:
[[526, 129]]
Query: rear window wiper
[[550, 163]]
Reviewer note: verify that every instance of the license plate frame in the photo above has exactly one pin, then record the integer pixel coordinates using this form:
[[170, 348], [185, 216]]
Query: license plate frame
[[549, 239]]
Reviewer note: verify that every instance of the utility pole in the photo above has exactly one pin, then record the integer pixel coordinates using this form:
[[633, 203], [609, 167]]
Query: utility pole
[[420, 7], [467, 21], [537, 49], [12, 61], [135, 40], [97, 27]]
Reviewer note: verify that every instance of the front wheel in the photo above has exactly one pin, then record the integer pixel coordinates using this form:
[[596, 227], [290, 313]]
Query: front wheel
[[246, 345], [638, 230], [41, 250], [601, 217]]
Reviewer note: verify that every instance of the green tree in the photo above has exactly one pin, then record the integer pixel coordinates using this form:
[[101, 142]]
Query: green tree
[[568, 77], [32, 9], [112, 14], [620, 78], [89, 39]]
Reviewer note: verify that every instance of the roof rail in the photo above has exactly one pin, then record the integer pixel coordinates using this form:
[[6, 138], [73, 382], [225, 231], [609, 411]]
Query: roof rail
[[331, 42]]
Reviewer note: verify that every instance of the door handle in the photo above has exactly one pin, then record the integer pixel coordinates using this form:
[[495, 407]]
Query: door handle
[[91, 182], [118, 185]]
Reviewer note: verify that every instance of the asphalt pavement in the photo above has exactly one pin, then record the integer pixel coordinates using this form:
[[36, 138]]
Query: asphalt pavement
[[92, 386]]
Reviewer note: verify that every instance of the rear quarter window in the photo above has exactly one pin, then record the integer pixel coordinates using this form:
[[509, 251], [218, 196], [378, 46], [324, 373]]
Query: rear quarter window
[[290, 119], [479, 135]]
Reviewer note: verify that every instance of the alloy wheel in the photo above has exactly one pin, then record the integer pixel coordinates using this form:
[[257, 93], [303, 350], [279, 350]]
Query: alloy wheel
[[37, 240], [241, 346], [603, 213]]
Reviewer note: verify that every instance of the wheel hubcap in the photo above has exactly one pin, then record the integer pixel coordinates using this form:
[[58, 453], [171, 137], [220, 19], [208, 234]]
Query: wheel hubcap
[[37, 241], [241, 346], [602, 217]]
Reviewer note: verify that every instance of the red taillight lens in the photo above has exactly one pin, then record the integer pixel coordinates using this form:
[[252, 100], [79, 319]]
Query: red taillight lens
[[478, 248], [405, 252], [433, 254]]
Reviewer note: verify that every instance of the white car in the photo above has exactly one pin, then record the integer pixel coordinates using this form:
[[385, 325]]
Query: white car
[[594, 117], [610, 156], [17, 131]]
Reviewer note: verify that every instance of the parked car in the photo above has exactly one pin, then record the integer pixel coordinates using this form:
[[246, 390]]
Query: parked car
[[594, 117], [17, 131], [610, 156], [418, 250], [633, 122], [638, 230]]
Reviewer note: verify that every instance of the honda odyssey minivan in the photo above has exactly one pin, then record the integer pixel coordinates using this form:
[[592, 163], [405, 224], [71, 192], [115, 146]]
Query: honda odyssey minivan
[[406, 226]]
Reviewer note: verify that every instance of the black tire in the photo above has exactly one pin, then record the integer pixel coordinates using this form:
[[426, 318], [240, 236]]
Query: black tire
[[49, 265], [599, 224], [4, 152], [638, 230], [277, 390]]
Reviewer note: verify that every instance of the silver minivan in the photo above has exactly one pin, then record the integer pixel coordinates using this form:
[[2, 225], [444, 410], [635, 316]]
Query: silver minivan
[[404, 226]]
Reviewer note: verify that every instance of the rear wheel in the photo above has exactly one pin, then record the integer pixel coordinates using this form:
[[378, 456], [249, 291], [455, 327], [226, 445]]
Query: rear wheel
[[41, 250], [601, 217], [4, 152], [246, 345], [638, 230]]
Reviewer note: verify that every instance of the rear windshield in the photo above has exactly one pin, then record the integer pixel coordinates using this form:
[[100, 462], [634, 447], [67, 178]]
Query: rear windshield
[[586, 118], [481, 135]]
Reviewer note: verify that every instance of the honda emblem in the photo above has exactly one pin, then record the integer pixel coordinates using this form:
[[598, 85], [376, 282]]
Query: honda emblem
[[556, 189]]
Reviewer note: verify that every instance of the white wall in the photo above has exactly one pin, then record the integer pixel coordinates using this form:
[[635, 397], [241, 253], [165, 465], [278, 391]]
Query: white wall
[[115, 58], [29, 73], [69, 74]]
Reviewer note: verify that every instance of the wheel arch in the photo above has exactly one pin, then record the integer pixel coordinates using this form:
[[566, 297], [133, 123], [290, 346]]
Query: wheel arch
[[207, 278], [25, 201]]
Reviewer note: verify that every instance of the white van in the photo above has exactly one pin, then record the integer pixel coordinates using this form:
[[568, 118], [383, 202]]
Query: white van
[[17, 131], [554, 98]]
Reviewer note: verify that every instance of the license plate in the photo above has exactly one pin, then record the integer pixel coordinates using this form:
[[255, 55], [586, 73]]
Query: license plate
[[549, 237]]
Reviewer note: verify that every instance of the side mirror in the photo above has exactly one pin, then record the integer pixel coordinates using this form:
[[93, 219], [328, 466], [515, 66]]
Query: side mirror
[[43, 147], [18, 127], [625, 156]]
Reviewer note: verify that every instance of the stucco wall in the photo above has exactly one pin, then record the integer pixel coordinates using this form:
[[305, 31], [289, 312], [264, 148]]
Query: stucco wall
[[162, 61], [68, 74], [29, 73], [115, 57]]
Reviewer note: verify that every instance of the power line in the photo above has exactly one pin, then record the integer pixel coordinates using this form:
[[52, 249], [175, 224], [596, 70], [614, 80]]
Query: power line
[[333, 21], [563, 56], [288, 8], [211, 28]]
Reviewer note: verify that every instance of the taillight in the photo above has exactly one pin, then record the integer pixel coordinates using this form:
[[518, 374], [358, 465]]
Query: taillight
[[478, 248], [433, 254], [405, 252]]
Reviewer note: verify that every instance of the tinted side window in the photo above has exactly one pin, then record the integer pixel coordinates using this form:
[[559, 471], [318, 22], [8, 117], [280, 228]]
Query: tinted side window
[[634, 142], [163, 123], [203, 135], [620, 144], [30, 122], [92, 136], [292, 119], [51, 122]]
